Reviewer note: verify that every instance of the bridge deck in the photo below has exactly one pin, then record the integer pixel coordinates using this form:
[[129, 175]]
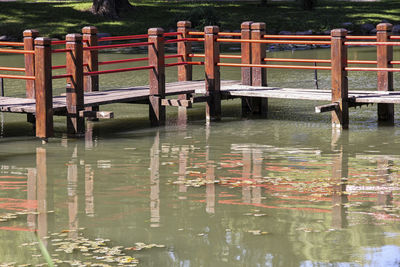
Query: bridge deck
[[228, 88]]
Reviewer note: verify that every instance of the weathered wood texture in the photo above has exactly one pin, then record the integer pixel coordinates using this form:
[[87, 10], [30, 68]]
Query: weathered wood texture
[[246, 52], [229, 89], [385, 78], [340, 117], [29, 44], [74, 90], [177, 103], [97, 114], [246, 59], [43, 88], [212, 72], [327, 107], [184, 71], [259, 75], [156, 76], [91, 60], [184, 49]]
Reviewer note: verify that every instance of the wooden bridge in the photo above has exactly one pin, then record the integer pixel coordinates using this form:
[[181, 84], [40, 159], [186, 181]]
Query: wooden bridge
[[83, 98]]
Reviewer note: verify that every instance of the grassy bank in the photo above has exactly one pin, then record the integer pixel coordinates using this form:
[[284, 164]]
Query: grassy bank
[[55, 19]]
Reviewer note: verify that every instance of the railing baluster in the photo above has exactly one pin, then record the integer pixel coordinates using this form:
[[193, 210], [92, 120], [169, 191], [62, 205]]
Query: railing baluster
[[43, 88], [385, 79], [340, 117], [75, 101], [156, 76], [213, 82]]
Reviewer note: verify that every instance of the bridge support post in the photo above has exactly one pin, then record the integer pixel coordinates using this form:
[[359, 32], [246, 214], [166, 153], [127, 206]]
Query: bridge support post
[[91, 60], [43, 88], [385, 78], [213, 79], [74, 90], [156, 76], [340, 117], [258, 105], [246, 59], [184, 71], [29, 44]]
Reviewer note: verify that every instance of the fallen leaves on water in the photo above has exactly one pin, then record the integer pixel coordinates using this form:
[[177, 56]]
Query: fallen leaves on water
[[255, 214], [139, 246], [97, 252], [11, 216], [257, 232], [198, 182]]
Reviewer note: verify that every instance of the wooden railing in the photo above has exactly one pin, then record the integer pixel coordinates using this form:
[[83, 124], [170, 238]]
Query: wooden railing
[[82, 67]]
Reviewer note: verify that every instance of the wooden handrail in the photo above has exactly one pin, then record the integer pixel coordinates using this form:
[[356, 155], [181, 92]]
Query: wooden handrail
[[274, 66], [373, 43], [116, 70], [12, 69], [272, 41], [19, 77], [11, 43], [17, 51], [99, 47]]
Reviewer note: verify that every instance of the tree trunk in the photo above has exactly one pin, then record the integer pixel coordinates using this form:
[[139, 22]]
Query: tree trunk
[[109, 8], [308, 4]]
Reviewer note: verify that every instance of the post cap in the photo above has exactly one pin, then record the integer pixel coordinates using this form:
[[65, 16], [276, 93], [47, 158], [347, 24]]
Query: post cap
[[246, 25], [184, 24], [384, 27], [45, 41], [31, 33], [73, 37], [211, 29], [258, 26], [338, 32], [89, 30], [155, 31]]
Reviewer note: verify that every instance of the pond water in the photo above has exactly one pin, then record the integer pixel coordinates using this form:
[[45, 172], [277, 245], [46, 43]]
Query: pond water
[[279, 191]]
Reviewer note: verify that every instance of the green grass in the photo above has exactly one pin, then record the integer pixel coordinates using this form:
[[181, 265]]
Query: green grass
[[55, 19]]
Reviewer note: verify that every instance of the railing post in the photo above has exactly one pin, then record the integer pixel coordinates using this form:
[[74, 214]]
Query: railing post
[[259, 75], [29, 44], [43, 88], [246, 59], [340, 117], [385, 78], [91, 59], [184, 71], [156, 76], [184, 49], [213, 80], [75, 101]]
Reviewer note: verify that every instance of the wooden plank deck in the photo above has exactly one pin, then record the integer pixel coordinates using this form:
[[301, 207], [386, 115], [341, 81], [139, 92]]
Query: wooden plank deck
[[228, 89], [123, 95], [237, 90]]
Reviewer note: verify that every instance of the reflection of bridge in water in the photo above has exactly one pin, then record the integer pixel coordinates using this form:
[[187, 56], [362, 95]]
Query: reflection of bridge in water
[[263, 182]]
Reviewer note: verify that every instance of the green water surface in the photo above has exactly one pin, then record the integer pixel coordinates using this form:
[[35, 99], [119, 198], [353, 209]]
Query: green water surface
[[279, 191]]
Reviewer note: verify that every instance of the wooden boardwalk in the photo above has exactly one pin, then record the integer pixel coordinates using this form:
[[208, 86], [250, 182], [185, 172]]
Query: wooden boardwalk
[[229, 89], [82, 97]]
